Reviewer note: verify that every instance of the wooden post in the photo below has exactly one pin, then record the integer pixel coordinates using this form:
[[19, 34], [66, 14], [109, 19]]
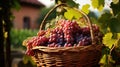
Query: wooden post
[[2, 56], [7, 26], [5, 58]]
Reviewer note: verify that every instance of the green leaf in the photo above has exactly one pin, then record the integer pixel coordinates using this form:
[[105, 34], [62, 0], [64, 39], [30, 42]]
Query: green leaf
[[105, 17], [72, 3], [47, 25], [95, 3], [108, 40], [114, 25], [99, 4], [106, 57], [104, 21], [115, 8], [103, 59], [100, 8], [68, 15], [118, 35], [15, 4], [85, 8], [105, 50], [26, 59], [115, 1], [72, 13]]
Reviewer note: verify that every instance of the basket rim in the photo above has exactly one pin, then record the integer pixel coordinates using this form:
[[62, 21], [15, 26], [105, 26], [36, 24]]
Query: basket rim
[[68, 49]]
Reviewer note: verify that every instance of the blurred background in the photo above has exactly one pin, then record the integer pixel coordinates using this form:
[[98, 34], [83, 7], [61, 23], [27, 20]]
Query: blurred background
[[20, 19]]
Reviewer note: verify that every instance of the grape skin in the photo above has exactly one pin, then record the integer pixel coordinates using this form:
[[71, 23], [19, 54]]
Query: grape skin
[[66, 34]]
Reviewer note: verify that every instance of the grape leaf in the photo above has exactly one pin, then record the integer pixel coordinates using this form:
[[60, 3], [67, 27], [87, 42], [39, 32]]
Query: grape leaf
[[103, 22], [100, 8], [105, 53], [85, 8], [104, 17], [47, 25], [118, 35], [106, 57], [26, 59], [94, 3], [115, 1], [68, 15], [72, 13], [115, 7], [72, 3], [114, 25], [103, 59], [108, 40], [99, 4]]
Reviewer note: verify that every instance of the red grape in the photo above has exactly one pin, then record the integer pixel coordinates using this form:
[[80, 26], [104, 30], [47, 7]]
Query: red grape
[[66, 34]]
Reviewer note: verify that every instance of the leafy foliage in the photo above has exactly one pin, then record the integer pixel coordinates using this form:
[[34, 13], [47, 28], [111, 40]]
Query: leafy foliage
[[115, 8], [108, 22], [27, 59], [114, 25], [105, 53], [110, 26], [72, 3], [103, 22], [85, 8], [71, 13], [44, 11], [108, 40], [115, 1], [99, 4], [15, 4], [17, 36]]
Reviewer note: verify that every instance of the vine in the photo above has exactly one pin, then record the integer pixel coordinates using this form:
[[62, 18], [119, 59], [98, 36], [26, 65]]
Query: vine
[[109, 23]]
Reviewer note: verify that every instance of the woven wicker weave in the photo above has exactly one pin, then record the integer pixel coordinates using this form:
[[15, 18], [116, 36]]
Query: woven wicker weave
[[86, 56], [83, 56]]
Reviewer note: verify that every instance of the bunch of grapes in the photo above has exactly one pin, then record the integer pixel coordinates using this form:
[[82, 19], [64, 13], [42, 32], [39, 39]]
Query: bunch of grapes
[[66, 34]]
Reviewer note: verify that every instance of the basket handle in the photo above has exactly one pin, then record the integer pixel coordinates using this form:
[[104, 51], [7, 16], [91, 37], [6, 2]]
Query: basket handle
[[87, 18], [43, 21]]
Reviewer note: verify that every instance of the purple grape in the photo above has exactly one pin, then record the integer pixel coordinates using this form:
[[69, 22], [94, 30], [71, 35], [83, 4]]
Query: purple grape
[[66, 34]]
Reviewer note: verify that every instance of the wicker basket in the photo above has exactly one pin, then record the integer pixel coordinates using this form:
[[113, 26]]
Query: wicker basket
[[83, 56]]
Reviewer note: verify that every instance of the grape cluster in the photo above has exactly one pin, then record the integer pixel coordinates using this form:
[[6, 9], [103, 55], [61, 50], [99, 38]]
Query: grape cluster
[[66, 34]]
